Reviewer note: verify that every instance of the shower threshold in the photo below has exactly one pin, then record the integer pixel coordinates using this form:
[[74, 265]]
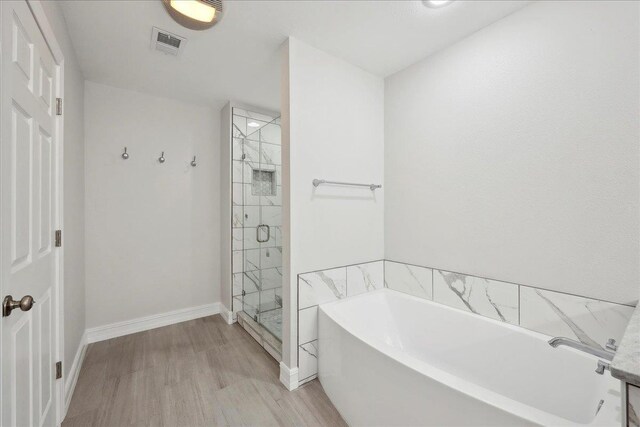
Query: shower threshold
[[266, 338]]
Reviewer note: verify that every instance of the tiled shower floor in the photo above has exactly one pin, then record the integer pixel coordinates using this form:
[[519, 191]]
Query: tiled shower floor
[[272, 321]]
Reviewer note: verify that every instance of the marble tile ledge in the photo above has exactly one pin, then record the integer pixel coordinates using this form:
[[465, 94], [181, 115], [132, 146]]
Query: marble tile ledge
[[626, 363]]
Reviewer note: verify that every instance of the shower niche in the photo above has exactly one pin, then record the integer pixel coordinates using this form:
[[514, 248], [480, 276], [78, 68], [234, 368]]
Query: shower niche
[[256, 225]]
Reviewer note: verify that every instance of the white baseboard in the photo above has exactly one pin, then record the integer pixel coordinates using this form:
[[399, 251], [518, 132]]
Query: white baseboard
[[228, 315], [140, 324], [74, 372], [288, 376]]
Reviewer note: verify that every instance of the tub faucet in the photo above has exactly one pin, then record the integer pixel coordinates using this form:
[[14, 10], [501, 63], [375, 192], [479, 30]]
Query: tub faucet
[[602, 366], [604, 354], [599, 352]]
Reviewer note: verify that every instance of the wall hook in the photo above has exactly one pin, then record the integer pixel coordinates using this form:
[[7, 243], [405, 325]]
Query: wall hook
[[193, 162], [125, 155], [161, 159]]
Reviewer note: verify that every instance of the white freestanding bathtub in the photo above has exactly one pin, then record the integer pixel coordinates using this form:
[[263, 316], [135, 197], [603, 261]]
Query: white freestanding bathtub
[[386, 358]]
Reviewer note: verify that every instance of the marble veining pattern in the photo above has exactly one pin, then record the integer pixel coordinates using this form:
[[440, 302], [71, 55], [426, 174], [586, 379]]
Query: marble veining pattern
[[272, 321], [237, 220], [410, 279], [256, 259], [321, 286], [263, 153], [308, 366], [626, 364], [552, 313], [490, 298], [251, 282], [590, 321], [269, 278], [257, 267], [365, 277], [633, 406], [324, 286]]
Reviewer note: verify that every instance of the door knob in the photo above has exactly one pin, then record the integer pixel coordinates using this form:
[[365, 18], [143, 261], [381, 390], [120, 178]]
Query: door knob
[[9, 304]]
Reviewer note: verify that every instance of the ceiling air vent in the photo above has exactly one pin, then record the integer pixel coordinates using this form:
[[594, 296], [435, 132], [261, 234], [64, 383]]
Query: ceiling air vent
[[167, 42]]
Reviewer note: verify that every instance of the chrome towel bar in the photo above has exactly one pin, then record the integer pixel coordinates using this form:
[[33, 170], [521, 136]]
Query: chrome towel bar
[[317, 182]]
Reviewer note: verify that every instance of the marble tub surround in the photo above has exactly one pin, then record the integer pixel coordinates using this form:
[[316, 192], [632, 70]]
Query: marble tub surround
[[583, 319], [587, 320], [365, 278], [626, 364], [323, 286], [308, 361], [633, 406], [489, 298], [410, 279]]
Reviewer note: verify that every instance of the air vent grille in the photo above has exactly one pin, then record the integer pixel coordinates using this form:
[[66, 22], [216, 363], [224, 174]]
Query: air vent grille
[[167, 42], [169, 39], [216, 4]]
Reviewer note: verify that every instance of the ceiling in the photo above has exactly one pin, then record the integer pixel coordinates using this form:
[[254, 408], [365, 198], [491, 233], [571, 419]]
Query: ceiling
[[238, 58]]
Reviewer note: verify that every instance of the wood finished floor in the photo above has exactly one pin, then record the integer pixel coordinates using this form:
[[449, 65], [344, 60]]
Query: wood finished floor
[[197, 373]]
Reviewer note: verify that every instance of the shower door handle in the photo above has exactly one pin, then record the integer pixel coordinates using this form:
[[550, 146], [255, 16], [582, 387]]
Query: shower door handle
[[258, 233]]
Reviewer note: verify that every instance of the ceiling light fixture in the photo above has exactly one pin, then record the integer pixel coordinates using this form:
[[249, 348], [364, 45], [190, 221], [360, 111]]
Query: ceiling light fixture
[[253, 125], [195, 14], [436, 3]]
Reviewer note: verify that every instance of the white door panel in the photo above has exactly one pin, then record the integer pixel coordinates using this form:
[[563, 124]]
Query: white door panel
[[28, 171]]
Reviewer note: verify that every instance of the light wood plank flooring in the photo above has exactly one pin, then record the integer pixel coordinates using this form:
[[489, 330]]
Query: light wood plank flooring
[[196, 373]]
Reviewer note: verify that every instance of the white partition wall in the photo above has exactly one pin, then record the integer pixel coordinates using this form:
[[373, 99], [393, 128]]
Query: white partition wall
[[334, 116]]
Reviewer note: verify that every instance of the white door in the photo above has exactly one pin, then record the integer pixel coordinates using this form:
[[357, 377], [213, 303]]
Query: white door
[[28, 198]]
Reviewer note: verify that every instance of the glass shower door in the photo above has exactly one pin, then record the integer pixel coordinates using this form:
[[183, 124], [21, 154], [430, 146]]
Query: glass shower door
[[257, 256], [270, 218]]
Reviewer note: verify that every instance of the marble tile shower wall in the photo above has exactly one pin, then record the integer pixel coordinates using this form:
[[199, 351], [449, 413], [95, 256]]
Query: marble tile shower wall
[[552, 313], [256, 148]]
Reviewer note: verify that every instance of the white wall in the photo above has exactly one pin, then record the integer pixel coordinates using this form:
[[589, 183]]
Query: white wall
[[73, 172], [514, 154], [335, 117], [152, 230]]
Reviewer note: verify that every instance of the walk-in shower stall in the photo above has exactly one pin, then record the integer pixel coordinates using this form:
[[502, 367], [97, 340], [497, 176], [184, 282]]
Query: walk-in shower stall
[[256, 225]]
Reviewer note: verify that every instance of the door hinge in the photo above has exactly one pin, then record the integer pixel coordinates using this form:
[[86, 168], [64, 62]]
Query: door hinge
[[58, 106], [58, 370], [58, 238]]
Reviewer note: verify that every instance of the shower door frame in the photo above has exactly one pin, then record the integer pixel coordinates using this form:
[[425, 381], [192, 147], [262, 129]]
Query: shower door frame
[[271, 241], [235, 310]]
